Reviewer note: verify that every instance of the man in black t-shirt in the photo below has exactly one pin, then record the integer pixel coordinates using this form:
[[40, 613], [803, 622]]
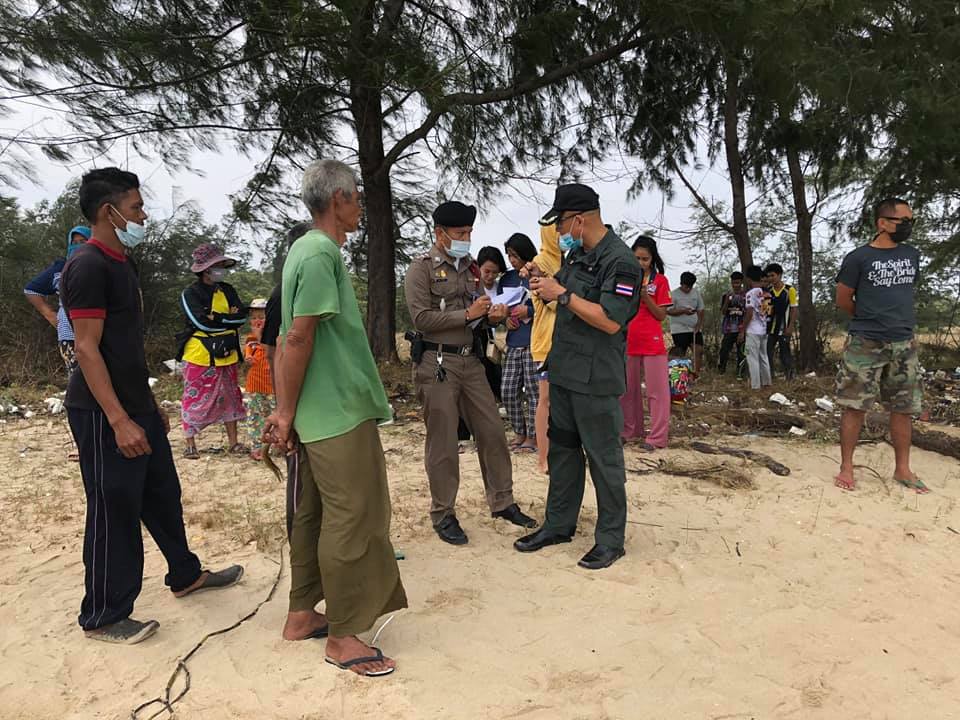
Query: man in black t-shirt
[[268, 338], [875, 286], [125, 458]]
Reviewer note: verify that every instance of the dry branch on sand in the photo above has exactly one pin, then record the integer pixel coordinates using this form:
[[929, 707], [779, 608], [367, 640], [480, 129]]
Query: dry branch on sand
[[723, 474]]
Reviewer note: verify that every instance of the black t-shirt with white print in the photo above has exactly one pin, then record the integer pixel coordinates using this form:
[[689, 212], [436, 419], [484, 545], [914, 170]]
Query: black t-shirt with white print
[[101, 283], [883, 281]]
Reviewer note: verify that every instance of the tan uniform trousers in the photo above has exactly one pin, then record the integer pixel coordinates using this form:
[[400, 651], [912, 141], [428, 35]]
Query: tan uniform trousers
[[340, 546], [465, 393]]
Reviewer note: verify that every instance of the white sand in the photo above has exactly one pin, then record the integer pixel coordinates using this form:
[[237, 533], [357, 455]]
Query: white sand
[[838, 605]]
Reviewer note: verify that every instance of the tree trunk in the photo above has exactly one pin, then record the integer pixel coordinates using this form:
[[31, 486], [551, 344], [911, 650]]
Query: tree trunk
[[381, 241], [809, 351], [731, 143]]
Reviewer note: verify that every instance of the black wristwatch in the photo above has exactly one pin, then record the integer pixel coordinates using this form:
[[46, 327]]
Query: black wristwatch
[[563, 299]]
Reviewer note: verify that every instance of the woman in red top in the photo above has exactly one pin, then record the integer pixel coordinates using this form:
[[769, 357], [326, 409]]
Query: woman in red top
[[646, 353]]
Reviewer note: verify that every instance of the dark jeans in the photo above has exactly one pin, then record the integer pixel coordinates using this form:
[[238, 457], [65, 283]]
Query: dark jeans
[[726, 345], [786, 355], [120, 494]]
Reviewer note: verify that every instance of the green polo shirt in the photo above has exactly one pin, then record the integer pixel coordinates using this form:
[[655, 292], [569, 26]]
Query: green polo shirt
[[584, 359], [341, 387]]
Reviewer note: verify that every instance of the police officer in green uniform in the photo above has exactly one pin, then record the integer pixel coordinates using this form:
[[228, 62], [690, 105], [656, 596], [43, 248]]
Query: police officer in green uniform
[[597, 293]]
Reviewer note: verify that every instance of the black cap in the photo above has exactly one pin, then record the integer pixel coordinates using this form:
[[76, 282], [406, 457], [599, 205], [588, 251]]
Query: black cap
[[454, 214], [571, 197]]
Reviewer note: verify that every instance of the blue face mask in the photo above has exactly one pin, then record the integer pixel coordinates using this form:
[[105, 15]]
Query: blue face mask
[[458, 248], [132, 235], [568, 243]]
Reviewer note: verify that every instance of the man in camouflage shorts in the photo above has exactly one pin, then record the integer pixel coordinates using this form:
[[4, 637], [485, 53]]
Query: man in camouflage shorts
[[875, 286]]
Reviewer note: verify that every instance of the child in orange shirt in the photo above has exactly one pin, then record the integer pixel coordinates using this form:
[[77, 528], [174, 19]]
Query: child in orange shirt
[[259, 387]]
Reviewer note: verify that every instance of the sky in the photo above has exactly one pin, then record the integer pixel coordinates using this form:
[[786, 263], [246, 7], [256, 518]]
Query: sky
[[517, 208]]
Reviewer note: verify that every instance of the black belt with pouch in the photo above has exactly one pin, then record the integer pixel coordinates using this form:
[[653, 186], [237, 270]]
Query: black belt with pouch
[[449, 349]]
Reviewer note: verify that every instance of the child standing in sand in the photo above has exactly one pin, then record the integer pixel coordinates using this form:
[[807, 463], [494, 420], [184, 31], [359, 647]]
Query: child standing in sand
[[259, 386], [754, 329]]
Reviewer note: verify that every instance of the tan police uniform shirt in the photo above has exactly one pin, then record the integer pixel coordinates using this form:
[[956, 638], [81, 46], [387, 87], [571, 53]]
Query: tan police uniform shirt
[[438, 293]]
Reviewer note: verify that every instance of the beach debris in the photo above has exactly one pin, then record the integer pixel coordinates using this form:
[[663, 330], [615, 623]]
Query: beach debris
[[780, 399], [726, 476], [824, 403], [723, 399], [54, 405], [152, 381], [772, 465], [794, 430], [28, 414], [811, 375]]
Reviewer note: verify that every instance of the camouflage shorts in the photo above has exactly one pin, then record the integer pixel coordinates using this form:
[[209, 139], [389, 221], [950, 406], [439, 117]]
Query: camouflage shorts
[[874, 370]]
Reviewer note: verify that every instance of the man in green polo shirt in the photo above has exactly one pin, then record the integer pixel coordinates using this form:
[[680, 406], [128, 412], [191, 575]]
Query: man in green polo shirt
[[330, 398], [597, 293]]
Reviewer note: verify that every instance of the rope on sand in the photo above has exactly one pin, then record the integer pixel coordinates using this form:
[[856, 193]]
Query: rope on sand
[[167, 702]]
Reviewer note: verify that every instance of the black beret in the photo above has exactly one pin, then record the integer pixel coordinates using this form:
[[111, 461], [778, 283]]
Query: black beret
[[575, 197], [454, 214]]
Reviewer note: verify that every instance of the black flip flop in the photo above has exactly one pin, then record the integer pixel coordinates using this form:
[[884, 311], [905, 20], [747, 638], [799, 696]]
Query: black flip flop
[[318, 633], [360, 661]]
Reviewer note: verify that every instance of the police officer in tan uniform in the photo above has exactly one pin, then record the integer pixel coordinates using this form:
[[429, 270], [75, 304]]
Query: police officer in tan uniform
[[447, 305]]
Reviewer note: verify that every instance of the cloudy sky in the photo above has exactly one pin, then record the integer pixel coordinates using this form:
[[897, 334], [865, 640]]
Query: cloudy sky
[[517, 209]]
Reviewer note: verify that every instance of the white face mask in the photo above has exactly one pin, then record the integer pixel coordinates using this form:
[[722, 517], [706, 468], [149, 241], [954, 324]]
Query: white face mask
[[217, 274], [458, 248], [132, 235]]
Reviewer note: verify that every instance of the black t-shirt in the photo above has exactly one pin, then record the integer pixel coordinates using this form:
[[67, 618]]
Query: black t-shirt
[[883, 280], [271, 323], [100, 283]]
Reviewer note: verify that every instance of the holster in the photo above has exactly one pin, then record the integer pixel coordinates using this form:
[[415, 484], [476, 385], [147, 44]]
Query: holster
[[416, 345]]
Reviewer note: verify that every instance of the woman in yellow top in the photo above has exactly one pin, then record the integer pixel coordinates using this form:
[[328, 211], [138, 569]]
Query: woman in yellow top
[[210, 347], [541, 337]]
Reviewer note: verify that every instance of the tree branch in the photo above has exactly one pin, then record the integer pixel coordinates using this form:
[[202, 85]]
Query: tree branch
[[501, 94]]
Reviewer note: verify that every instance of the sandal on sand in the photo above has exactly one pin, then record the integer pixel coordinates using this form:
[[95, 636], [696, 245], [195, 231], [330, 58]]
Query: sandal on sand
[[191, 453], [238, 449], [844, 484], [646, 447], [347, 664], [216, 580], [124, 632], [524, 448], [318, 633], [914, 483], [515, 444]]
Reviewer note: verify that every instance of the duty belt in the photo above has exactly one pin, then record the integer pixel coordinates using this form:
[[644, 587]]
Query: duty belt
[[452, 349]]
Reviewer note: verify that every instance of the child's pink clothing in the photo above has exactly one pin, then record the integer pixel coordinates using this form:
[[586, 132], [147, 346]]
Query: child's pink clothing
[[653, 370]]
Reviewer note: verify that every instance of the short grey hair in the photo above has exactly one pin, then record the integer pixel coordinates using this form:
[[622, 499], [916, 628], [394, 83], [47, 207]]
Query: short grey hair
[[322, 179]]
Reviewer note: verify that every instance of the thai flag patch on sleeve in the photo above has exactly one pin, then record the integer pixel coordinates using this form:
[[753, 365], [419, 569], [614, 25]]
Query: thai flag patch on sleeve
[[625, 289]]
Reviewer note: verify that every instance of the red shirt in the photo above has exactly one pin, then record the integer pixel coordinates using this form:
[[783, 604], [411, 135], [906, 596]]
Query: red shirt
[[645, 332]]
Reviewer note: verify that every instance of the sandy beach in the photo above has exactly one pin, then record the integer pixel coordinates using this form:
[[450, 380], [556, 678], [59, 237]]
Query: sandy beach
[[788, 600]]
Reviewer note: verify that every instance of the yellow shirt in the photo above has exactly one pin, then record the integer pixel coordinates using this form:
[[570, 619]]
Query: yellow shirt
[[544, 314], [195, 353]]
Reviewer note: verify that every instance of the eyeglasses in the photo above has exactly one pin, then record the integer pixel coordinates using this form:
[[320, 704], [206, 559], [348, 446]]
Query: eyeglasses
[[561, 220]]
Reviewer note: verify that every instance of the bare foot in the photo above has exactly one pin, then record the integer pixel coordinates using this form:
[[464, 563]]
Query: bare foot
[[845, 479], [302, 624], [344, 649]]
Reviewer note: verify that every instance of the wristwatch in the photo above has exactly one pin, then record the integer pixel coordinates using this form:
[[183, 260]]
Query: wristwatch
[[563, 299]]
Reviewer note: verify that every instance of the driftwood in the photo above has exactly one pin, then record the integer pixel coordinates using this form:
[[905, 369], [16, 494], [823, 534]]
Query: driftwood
[[766, 420], [726, 476], [932, 440], [765, 460]]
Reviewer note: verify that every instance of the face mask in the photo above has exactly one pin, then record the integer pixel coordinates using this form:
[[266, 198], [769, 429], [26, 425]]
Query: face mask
[[903, 231], [72, 248], [133, 234], [217, 274], [567, 243], [458, 248]]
